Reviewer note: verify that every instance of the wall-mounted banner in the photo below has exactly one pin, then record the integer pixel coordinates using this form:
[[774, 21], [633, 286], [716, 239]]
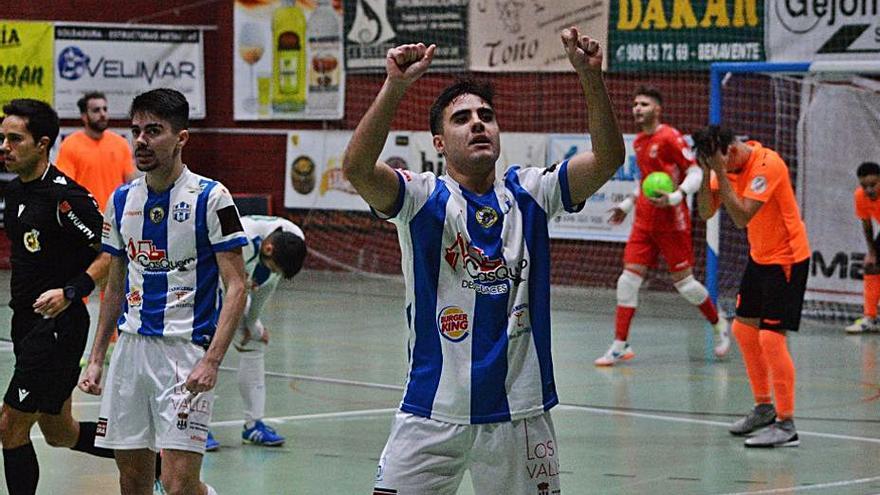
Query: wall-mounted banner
[[524, 36], [374, 26], [26, 61], [313, 169], [123, 61], [649, 35], [591, 223], [288, 60], [807, 31]]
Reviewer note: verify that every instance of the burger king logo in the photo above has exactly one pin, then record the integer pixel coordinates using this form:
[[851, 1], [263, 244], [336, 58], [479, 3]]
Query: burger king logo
[[453, 323]]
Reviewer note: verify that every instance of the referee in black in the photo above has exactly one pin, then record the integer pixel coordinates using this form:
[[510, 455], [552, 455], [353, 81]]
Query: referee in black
[[54, 227]]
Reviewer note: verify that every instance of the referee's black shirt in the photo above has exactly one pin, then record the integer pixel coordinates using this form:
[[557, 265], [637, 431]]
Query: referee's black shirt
[[51, 223]]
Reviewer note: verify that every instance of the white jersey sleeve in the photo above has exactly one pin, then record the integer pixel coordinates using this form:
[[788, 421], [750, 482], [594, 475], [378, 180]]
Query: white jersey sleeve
[[414, 191], [111, 238], [548, 186], [224, 225]]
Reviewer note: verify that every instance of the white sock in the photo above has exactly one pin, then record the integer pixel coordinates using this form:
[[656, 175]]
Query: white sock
[[618, 345], [252, 384]]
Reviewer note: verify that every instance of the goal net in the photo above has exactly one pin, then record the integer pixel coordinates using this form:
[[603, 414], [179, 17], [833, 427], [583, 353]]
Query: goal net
[[824, 119]]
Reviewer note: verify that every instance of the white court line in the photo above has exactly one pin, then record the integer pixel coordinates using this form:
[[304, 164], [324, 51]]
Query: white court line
[[818, 486], [321, 379], [674, 419], [309, 417]]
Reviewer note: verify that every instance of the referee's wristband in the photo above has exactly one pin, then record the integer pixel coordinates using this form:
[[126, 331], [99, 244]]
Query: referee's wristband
[[79, 287]]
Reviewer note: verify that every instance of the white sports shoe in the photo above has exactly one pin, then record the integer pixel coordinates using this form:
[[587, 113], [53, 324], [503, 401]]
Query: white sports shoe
[[615, 354], [722, 333], [863, 325]]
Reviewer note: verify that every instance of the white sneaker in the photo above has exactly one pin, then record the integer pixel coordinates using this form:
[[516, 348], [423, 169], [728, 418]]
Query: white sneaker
[[722, 332], [863, 325], [616, 353]]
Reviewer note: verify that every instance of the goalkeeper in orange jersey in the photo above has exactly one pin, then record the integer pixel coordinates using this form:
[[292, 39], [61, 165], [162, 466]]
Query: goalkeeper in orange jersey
[[867, 210], [753, 184]]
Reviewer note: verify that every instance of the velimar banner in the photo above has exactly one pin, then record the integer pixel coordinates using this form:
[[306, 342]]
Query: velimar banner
[[807, 31], [123, 61], [525, 36], [26, 61], [288, 60], [646, 35]]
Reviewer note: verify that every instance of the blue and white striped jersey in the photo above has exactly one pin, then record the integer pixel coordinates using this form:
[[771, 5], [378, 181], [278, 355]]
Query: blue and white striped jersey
[[170, 239], [477, 272], [262, 280]]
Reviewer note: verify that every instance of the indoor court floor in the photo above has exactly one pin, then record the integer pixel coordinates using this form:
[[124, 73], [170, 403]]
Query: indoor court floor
[[654, 425]]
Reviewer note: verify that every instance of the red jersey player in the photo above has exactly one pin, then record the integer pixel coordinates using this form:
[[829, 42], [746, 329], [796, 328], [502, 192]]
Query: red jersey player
[[662, 226]]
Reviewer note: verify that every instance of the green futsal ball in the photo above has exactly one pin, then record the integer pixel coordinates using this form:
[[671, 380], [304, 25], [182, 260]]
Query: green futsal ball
[[656, 183]]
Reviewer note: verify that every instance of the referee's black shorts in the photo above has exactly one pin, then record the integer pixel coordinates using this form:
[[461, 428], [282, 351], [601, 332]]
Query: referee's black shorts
[[774, 294], [47, 354]]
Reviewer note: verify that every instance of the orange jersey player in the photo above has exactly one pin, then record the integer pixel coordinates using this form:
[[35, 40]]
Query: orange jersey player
[[752, 183], [867, 208]]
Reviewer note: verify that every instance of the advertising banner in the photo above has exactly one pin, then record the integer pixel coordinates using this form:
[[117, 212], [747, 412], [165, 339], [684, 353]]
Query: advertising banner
[[524, 36], [591, 223], [647, 35], [123, 61], [826, 182], [374, 26], [26, 61], [288, 60], [313, 168], [807, 31]]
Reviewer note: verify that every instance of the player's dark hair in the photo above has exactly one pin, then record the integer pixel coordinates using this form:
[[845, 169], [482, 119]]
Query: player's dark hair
[[464, 86], [288, 252], [165, 103], [711, 139], [83, 103], [651, 92], [867, 168], [41, 119]]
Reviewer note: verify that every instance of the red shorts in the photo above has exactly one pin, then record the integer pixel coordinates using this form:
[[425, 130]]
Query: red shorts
[[644, 246]]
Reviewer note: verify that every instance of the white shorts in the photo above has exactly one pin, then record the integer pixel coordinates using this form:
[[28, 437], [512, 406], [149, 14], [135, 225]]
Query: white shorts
[[145, 404], [424, 456]]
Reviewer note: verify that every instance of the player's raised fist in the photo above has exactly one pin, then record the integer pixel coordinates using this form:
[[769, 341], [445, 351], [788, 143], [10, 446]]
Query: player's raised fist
[[583, 52], [408, 62]]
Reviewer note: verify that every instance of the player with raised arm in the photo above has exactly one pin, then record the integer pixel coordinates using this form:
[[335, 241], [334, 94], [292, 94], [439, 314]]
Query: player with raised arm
[[662, 226], [476, 262]]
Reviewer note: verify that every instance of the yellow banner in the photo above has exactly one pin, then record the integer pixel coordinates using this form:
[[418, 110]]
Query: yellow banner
[[26, 52]]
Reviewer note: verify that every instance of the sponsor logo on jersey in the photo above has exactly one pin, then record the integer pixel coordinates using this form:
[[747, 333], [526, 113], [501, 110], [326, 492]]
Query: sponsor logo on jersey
[[454, 323], [157, 214], [65, 209], [101, 429], [180, 212], [488, 276], [22, 394], [154, 259], [32, 240], [520, 322], [134, 298]]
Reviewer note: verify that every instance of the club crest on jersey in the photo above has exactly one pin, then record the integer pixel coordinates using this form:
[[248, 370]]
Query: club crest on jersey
[[157, 214], [652, 151], [32, 240], [486, 216], [759, 184], [180, 212], [453, 323]]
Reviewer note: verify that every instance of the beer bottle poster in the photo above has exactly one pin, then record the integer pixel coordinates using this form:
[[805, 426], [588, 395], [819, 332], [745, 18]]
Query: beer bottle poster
[[288, 61]]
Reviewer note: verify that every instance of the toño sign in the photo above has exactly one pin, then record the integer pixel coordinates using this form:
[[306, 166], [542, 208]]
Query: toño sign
[[810, 30], [684, 34]]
